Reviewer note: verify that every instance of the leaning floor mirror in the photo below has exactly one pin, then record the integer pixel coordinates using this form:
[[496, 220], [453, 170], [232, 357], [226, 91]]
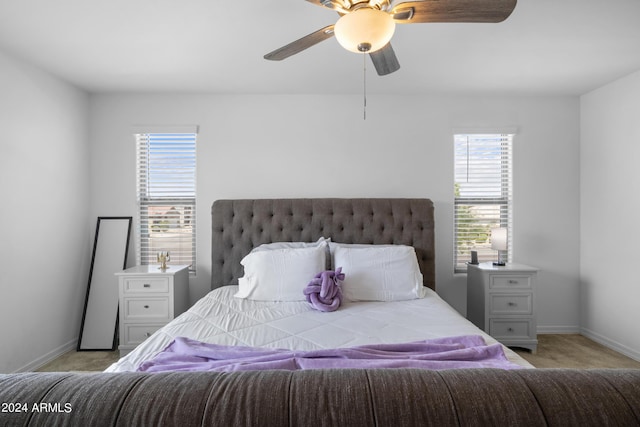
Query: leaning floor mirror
[[100, 317]]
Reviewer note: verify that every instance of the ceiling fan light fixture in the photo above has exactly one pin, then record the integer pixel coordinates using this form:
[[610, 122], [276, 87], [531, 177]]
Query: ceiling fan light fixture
[[363, 27]]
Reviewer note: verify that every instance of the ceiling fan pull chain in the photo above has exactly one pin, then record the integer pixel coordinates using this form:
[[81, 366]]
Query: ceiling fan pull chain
[[364, 79], [364, 47]]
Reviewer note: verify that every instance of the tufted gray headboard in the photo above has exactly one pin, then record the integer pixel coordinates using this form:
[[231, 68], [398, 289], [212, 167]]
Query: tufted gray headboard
[[240, 225]]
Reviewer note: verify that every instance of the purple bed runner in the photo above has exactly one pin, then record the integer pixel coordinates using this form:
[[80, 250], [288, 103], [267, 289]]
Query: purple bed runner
[[184, 354]]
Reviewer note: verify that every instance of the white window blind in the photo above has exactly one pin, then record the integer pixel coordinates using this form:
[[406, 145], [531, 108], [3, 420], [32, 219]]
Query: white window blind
[[166, 188], [483, 195]]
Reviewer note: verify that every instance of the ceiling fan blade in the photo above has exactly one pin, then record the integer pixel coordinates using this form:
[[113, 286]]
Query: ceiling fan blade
[[492, 11], [338, 5], [385, 60], [300, 44]]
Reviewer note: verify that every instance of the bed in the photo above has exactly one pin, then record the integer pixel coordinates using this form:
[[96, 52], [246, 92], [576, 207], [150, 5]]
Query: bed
[[240, 226], [324, 397]]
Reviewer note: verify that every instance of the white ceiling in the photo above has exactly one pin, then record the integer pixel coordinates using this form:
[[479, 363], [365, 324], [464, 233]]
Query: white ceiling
[[545, 47]]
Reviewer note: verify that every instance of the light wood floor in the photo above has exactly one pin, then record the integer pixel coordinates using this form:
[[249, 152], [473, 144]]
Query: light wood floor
[[554, 351], [575, 351], [82, 361]]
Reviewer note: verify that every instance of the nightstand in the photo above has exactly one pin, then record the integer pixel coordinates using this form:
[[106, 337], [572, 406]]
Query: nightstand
[[501, 301], [149, 298]]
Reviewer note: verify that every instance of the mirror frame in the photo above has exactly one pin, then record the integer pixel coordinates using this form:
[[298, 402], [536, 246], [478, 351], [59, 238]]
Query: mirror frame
[[110, 250]]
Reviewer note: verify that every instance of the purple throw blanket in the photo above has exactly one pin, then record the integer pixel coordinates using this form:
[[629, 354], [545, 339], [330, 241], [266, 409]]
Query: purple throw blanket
[[184, 354], [323, 292]]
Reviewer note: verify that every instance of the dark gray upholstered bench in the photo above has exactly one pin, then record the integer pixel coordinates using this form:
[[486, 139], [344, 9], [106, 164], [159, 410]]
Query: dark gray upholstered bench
[[398, 397]]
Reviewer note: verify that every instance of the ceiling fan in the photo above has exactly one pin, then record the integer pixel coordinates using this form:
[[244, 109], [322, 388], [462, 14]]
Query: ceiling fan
[[366, 26]]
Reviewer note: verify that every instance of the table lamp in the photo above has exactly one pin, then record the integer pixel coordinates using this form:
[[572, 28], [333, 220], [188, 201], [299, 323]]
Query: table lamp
[[499, 243]]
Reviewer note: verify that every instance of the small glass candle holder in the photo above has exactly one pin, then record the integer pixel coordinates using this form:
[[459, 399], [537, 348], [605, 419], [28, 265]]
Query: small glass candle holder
[[163, 257]]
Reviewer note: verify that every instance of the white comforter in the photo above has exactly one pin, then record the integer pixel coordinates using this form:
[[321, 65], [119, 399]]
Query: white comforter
[[222, 319]]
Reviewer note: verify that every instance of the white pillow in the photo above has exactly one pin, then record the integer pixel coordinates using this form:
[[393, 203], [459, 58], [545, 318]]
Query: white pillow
[[334, 245], [379, 273], [280, 274], [295, 245], [289, 245]]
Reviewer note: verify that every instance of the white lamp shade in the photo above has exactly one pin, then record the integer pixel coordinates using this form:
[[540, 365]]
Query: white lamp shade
[[364, 26], [499, 239]]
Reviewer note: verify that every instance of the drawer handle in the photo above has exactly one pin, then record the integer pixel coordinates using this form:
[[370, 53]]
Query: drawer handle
[[510, 329], [513, 282], [511, 304], [147, 285], [148, 334], [146, 306]]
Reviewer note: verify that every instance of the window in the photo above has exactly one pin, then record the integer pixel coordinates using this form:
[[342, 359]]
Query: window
[[166, 219], [483, 195]]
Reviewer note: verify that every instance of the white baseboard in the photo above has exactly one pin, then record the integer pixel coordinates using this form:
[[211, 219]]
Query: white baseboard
[[53, 354], [558, 330], [613, 345]]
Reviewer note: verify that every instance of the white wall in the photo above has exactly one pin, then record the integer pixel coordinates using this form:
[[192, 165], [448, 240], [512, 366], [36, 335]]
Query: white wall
[[319, 146], [610, 149], [44, 247]]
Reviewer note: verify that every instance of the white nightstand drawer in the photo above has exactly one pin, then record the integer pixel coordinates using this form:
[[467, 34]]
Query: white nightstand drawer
[[510, 329], [150, 309], [148, 284], [504, 281], [501, 301], [149, 299], [521, 303], [135, 334]]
